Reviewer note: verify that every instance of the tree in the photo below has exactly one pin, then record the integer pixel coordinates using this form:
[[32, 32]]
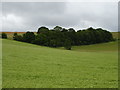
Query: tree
[[58, 28], [18, 38], [4, 35], [42, 30], [67, 44], [72, 35], [61, 37], [41, 39], [64, 30], [28, 37], [14, 36], [53, 43]]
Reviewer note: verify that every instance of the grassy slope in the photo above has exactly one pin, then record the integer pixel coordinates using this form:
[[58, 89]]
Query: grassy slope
[[104, 47], [31, 66]]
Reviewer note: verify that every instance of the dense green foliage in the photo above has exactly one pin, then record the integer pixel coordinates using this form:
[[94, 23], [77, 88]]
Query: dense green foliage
[[59, 37], [26, 65], [28, 37], [67, 44], [42, 30], [4, 35], [17, 37]]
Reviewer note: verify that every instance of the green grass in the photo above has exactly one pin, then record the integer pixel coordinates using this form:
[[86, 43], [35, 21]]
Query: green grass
[[31, 66], [103, 47]]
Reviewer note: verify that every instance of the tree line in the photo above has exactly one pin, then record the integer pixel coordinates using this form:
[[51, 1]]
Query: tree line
[[61, 37]]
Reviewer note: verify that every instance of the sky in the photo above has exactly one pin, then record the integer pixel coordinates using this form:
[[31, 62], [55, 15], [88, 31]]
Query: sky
[[29, 16]]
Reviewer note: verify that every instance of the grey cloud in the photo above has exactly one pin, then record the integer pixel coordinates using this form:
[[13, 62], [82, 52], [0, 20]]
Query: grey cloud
[[26, 8], [77, 15]]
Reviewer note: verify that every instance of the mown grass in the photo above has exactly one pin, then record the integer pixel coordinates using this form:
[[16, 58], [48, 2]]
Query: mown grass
[[31, 66], [103, 47]]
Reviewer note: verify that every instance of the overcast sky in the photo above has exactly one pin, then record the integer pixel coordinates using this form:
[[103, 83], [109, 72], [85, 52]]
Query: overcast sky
[[29, 16]]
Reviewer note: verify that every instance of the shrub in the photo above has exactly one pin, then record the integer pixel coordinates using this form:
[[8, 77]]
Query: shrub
[[14, 36], [4, 35], [28, 37]]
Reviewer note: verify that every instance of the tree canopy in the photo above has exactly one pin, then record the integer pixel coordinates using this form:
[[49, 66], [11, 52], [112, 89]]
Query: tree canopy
[[62, 37], [4, 35]]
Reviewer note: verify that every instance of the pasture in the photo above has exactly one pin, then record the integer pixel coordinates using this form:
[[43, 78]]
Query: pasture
[[116, 35], [32, 66], [10, 34]]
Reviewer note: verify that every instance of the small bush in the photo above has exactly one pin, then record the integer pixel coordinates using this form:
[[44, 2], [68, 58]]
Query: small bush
[[4, 35]]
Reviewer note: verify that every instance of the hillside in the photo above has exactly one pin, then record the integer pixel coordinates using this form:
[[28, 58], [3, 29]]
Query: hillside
[[103, 47], [31, 66]]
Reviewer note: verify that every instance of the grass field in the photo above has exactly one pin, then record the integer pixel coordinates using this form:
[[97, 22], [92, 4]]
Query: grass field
[[31, 66], [103, 47], [10, 34]]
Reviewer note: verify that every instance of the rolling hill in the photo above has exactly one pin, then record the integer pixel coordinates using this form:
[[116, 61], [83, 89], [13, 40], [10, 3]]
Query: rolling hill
[[31, 66]]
